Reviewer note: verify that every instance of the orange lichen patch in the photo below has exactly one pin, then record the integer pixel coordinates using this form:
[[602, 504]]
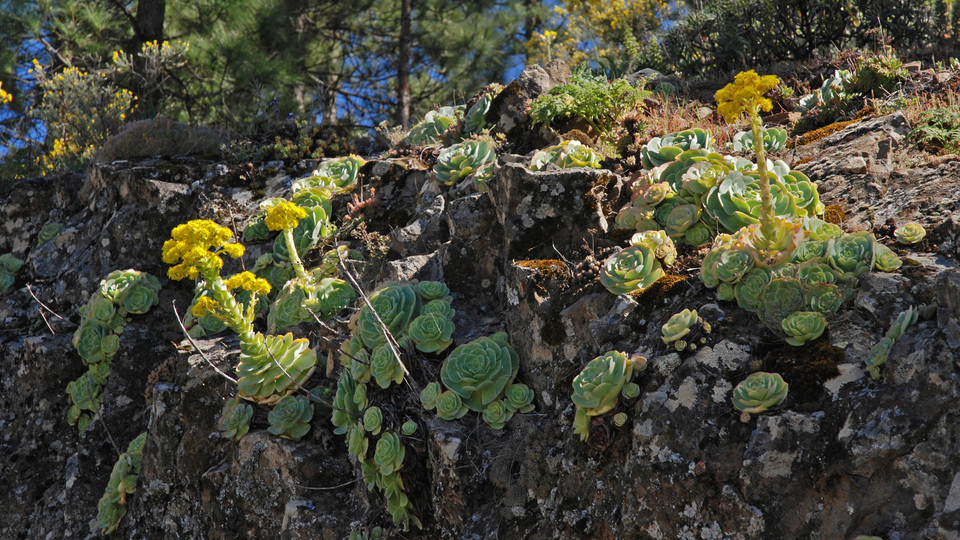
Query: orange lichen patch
[[817, 134], [832, 213], [548, 268], [664, 287]]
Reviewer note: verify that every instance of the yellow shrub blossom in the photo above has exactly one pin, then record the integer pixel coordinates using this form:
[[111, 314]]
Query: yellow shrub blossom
[[203, 306], [285, 215], [190, 245], [248, 281], [4, 96], [745, 95]]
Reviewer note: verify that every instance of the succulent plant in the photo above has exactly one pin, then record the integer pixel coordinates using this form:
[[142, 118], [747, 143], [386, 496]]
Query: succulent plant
[[432, 290], [780, 298], [725, 264], [824, 298], [475, 119], [440, 307], [409, 428], [620, 419], [256, 229], [812, 273], [431, 332], [664, 149], [699, 234], [341, 172], [597, 388], [235, 419], [300, 299], [373, 420], [681, 218], [389, 453], [276, 272], [852, 255], [345, 410], [654, 193], [565, 155], [450, 406], [630, 390], [429, 395], [357, 441], [385, 366], [878, 356], [290, 417], [774, 139], [433, 125], [909, 233], [821, 230], [759, 392], [636, 215], [803, 326], [679, 325], [271, 367], [85, 395], [748, 290], [48, 232], [632, 269], [518, 398], [885, 259], [396, 304], [466, 158], [306, 235], [496, 414], [94, 343], [775, 246], [480, 371], [123, 481], [9, 265], [658, 241]]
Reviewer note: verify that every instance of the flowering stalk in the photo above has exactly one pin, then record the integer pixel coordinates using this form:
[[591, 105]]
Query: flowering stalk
[[285, 217], [745, 95]]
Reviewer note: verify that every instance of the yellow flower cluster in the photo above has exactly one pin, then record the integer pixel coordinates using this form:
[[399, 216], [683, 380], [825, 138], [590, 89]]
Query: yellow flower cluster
[[4, 96], [745, 95], [248, 281], [203, 306], [190, 245], [285, 215]]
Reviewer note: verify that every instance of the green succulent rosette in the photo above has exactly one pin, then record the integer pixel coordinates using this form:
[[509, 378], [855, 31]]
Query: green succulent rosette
[[450, 406], [810, 250], [774, 139], [654, 193], [780, 298], [496, 414], [385, 366], [909, 233], [813, 273], [699, 234], [662, 150], [102, 311], [360, 395], [566, 155], [885, 260], [373, 420], [290, 417], [272, 367], [85, 395], [276, 272], [88, 340], [397, 304], [679, 325], [597, 388], [481, 370], [357, 441], [759, 392], [235, 419], [681, 218], [389, 453], [49, 232], [432, 127], [409, 428], [519, 398], [747, 291], [431, 332], [433, 290], [441, 307], [475, 119], [341, 172], [256, 229], [824, 298], [630, 390], [300, 300], [356, 359], [803, 326], [659, 242], [725, 264], [461, 160], [109, 513], [878, 356], [818, 229], [429, 395], [9, 265], [345, 410], [852, 255], [633, 269]]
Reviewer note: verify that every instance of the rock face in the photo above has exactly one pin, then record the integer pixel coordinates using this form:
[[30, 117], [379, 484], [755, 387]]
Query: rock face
[[845, 455]]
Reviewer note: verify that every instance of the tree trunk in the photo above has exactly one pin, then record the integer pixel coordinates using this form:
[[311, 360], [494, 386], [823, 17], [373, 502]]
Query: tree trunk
[[403, 65], [150, 20]]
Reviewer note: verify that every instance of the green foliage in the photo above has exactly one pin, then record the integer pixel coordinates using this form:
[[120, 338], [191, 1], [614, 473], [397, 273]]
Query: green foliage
[[473, 157], [909, 233], [373, 420], [881, 351], [396, 304], [782, 297], [430, 394], [877, 74], [597, 388], [123, 481], [759, 392], [290, 417], [431, 332], [632, 269], [434, 124], [389, 453], [803, 326], [518, 398], [272, 367], [9, 265], [475, 119], [852, 255], [49, 232], [385, 366], [630, 390], [300, 300], [308, 233], [659, 242], [678, 326], [333, 176], [937, 130], [496, 414], [885, 259], [565, 155], [235, 419], [774, 139], [450, 406], [480, 371], [662, 150]]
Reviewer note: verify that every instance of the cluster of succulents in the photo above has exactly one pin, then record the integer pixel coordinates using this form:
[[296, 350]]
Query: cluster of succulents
[[566, 155], [434, 125], [676, 332], [123, 481], [774, 139], [49, 232], [881, 351], [597, 389], [831, 90], [338, 175], [759, 392], [474, 158], [662, 150], [9, 266], [121, 294]]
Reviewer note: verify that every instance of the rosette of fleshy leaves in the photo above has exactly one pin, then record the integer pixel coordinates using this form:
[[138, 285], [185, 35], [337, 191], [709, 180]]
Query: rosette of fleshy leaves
[[881, 351], [678, 326], [431, 332], [774, 139], [475, 119], [660, 150], [301, 299], [256, 229], [277, 272], [434, 124], [396, 305], [519, 398], [96, 342], [385, 366], [123, 481], [290, 417], [450, 405], [780, 298], [885, 260], [852, 255], [803, 326], [132, 291], [346, 411], [735, 202], [597, 388], [824, 298], [340, 174], [355, 358], [429, 395], [566, 155], [473, 157], [759, 392], [694, 163], [909, 233], [271, 367], [373, 420], [658, 241], [480, 371], [496, 414], [630, 270], [49, 232], [85, 399], [235, 419], [9, 266]]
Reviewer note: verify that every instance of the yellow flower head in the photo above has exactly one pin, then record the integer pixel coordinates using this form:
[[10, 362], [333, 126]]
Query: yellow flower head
[[4, 96], [190, 245], [248, 281], [203, 306], [285, 215], [745, 95]]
